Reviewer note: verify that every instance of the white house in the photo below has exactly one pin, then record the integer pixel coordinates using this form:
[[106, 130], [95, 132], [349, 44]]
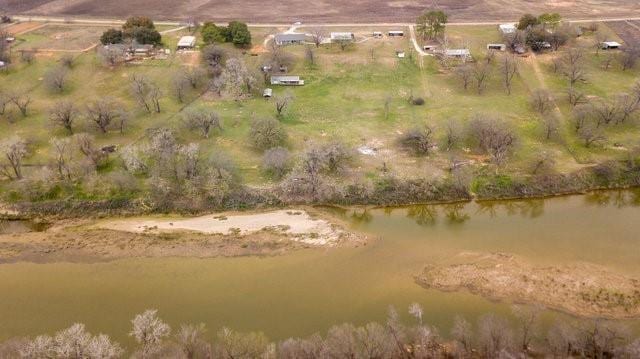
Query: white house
[[187, 43], [287, 80], [507, 28]]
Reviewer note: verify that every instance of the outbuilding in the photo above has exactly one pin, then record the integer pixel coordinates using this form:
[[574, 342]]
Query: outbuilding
[[342, 36], [396, 33], [377, 34], [498, 47], [610, 45], [187, 43], [287, 80], [290, 39], [507, 28], [2, 65], [267, 93]]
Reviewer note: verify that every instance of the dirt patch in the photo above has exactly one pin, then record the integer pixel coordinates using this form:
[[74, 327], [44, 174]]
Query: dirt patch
[[297, 225], [273, 11], [222, 235], [23, 27], [581, 289]]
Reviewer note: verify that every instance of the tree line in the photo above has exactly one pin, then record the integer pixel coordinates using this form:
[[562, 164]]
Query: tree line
[[493, 336]]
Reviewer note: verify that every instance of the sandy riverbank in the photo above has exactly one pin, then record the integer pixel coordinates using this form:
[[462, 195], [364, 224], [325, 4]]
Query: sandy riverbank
[[580, 289], [214, 235]]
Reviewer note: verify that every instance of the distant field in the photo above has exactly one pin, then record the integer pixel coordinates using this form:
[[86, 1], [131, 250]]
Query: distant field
[[274, 11]]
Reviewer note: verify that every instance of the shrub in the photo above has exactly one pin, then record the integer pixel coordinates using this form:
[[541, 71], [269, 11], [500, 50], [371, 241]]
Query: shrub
[[276, 162], [267, 133], [419, 141]]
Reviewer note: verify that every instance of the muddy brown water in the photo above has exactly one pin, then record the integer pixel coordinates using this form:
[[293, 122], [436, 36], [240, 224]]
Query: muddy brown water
[[307, 291]]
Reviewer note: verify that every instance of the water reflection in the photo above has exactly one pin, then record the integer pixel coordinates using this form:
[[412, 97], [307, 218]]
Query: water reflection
[[618, 198], [530, 208]]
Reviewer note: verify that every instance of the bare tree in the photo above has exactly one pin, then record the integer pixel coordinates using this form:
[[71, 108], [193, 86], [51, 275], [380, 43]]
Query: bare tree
[[528, 320], [416, 310], [190, 339], [493, 137], [105, 113], [551, 125], [146, 92], [276, 161], [64, 114], [629, 57], [574, 67], [582, 115], [494, 335], [86, 144], [179, 86], [591, 135], [282, 102], [508, 69], [627, 106], [112, 55], [195, 76], [318, 35], [62, 150], [67, 61], [13, 150], [454, 134], [462, 333], [542, 101], [22, 101], [56, 78], [234, 345], [605, 112], [310, 56], [149, 331], [202, 120], [575, 96], [608, 61], [465, 73], [481, 73]]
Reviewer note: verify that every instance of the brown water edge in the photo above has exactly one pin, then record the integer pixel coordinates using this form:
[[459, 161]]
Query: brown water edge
[[308, 290]]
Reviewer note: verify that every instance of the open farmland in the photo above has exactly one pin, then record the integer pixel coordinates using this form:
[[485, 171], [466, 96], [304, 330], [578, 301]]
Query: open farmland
[[272, 11], [629, 31]]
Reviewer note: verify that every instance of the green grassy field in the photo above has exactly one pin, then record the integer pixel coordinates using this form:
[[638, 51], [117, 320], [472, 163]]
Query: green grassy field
[[343, 99]]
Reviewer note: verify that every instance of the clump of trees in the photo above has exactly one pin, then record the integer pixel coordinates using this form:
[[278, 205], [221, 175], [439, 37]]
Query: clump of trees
[[493, 336], [138, 28], [236, 33], [431, 24], [267, 133]]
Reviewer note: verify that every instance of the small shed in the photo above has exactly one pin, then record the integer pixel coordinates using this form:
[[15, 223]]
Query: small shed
[[290, 39], [2, 65], [429, 47], [610, 45], [342, 36], [377, 34], [287, 80], [498, 47], [267, 93], [507, 28], [401, 54], [187, 43], [396, 33]]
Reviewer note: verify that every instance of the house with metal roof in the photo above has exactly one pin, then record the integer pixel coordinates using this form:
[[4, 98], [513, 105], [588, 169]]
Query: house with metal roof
[[287, 80], [187, 43], [290, 39]]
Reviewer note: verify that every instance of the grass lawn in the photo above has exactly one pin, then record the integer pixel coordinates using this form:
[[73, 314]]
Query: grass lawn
[[343, 99]]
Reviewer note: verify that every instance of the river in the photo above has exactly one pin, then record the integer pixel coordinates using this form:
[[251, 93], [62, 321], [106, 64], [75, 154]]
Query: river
[[307, 291]]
